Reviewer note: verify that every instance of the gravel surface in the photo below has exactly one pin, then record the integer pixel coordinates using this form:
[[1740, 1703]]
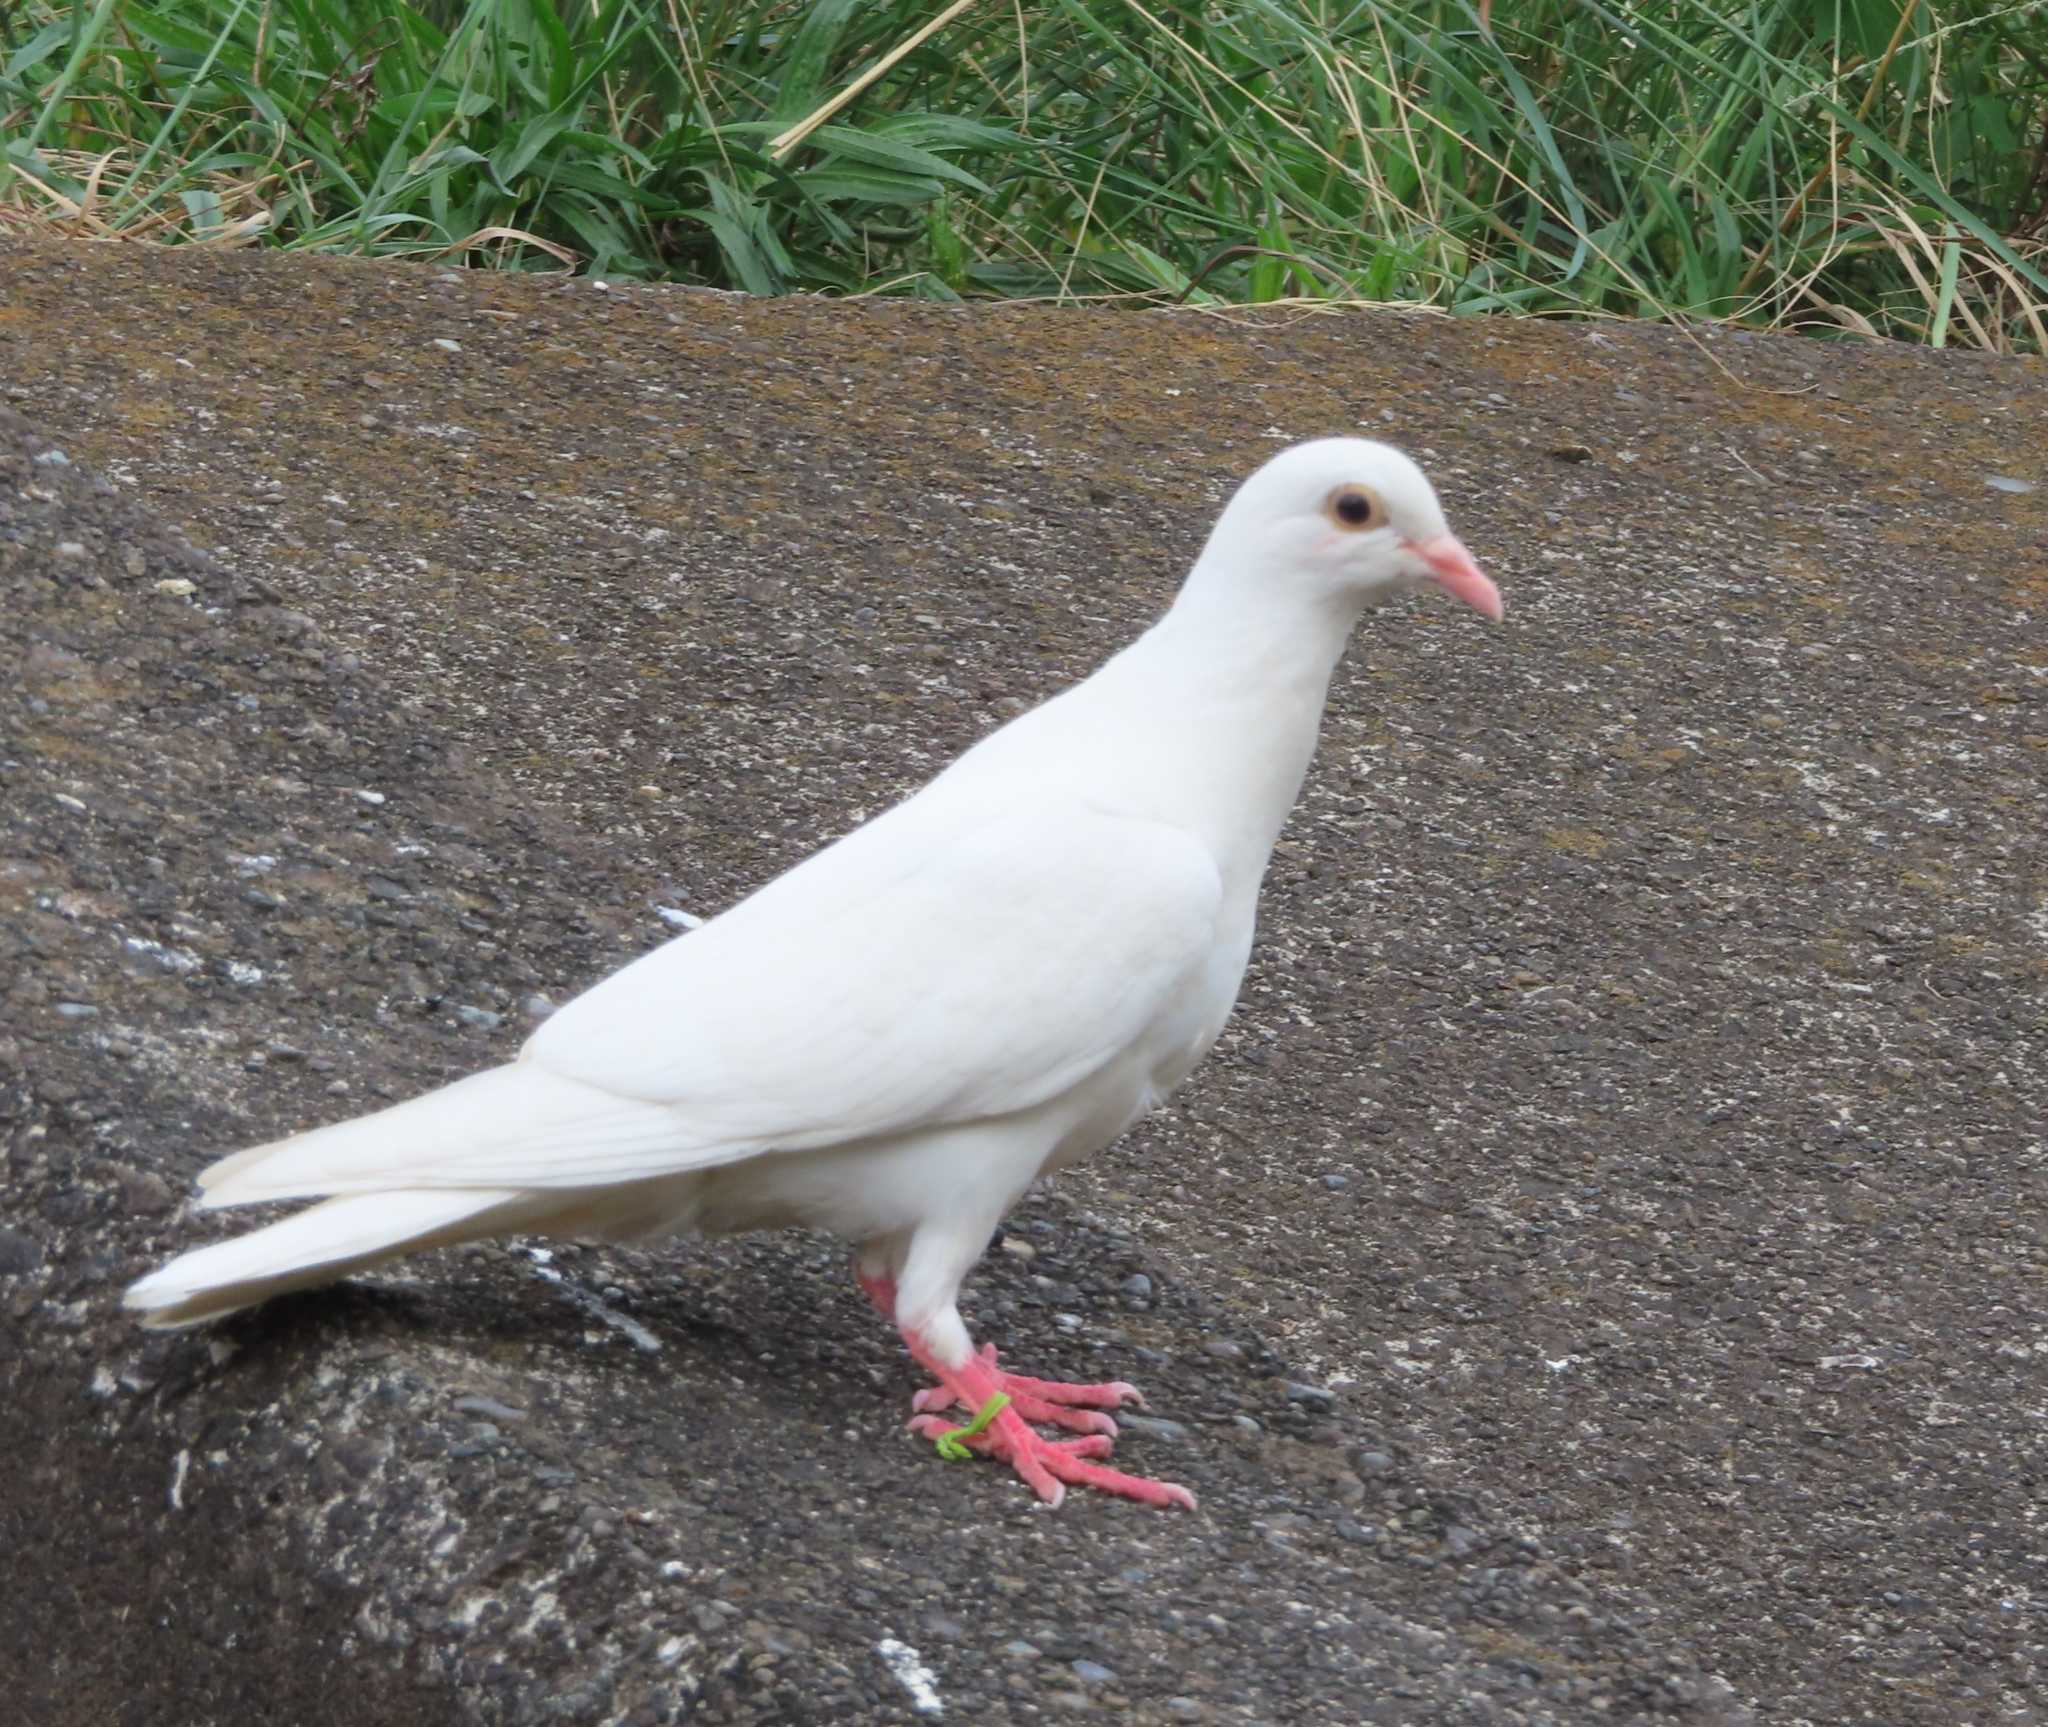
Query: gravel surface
[[1599, 1276]]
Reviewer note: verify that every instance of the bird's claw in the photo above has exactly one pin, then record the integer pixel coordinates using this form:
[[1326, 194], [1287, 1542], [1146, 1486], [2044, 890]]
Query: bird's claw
[[1056, 1402], [935, 1428], [1050, 1466], [1030, 1406]]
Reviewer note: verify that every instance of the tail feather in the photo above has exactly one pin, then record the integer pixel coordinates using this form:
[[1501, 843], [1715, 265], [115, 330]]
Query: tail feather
[[509, 1149], [519, 1125], [317, 1246]]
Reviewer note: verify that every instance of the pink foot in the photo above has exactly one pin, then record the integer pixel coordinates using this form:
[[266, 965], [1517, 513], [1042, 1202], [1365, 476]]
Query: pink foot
[[1053, 1401], [1048, 1466]]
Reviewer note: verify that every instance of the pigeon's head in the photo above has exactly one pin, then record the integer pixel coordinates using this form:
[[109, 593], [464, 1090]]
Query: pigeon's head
[[1351, 519]]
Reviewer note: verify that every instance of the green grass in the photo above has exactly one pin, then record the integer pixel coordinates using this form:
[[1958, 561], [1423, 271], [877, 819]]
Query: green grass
[[1823, 163]]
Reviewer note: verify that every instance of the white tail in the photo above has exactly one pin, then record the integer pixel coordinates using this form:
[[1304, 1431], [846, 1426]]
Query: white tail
[[517, 1125], [509, 1149], [317, 1246]]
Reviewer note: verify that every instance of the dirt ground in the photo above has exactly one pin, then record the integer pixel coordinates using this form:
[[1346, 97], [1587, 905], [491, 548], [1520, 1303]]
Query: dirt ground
[[1599, 1276]]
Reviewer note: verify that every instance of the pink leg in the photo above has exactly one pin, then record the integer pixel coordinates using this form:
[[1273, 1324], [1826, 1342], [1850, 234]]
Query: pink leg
[[1056, 1402], [1047, 1466]]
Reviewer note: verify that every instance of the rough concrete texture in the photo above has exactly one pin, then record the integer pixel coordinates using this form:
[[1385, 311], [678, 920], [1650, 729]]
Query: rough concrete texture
[[1599, 1276]]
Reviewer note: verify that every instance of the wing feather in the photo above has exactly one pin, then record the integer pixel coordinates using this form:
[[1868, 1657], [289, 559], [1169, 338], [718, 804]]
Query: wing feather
[[918, 977], [974, 979]]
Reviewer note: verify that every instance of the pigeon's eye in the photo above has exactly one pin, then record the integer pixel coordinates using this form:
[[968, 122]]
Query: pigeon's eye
[[1355, 508]]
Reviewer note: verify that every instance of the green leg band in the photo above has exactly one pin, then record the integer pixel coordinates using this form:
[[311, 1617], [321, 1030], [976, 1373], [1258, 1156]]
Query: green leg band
[[949, 1444]]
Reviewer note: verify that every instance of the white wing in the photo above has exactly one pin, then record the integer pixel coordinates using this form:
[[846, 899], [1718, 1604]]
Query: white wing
[[909, 976], [979, 979]]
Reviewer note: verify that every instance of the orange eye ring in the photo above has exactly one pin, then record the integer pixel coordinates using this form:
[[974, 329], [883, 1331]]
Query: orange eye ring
[[1355, 509]]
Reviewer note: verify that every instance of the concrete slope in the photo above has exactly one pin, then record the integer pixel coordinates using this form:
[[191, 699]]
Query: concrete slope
[[1599, 1277]]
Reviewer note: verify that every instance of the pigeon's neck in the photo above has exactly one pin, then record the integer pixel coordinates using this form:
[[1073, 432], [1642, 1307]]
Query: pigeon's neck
[[1232, 697], [1264, 644]]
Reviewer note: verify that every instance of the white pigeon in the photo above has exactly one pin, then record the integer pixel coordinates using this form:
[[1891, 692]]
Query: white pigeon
[[892, 1041]]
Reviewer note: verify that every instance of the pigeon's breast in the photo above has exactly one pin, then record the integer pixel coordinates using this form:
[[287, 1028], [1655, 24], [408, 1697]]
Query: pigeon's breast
[[1116, 1096]]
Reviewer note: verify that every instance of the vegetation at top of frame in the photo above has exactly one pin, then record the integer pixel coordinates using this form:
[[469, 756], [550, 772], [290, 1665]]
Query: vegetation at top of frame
[[1867, 165]]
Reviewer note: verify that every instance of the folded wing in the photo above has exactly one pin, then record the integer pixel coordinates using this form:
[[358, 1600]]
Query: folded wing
[[901, 979]]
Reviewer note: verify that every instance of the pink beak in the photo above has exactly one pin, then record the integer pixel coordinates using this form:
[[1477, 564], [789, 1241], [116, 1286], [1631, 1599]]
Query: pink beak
[[1453, 570]]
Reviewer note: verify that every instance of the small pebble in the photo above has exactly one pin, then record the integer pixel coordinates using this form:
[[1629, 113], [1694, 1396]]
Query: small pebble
[[1138, 1287], [146, 1192], [448, 344], [489, 1406], [18, 1252], [1093, 1673]]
